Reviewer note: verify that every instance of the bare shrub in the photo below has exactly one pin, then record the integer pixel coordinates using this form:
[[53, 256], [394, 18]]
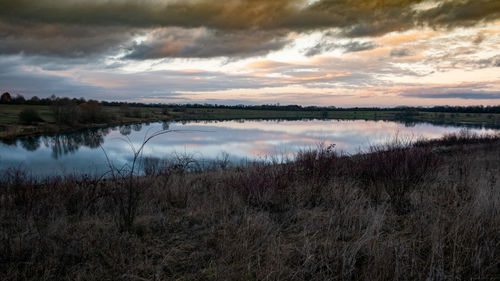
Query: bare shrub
[[263, 185], [128, 186], [29, 116], [398, 171], [463, 137], [256, 222]]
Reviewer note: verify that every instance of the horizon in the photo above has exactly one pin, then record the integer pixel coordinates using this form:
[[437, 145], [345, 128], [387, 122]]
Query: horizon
[[255, 105], [359, 53]]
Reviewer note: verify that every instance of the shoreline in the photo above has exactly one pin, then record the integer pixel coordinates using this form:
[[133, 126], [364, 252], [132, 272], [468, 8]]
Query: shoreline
[[11, 129], [384, 209]]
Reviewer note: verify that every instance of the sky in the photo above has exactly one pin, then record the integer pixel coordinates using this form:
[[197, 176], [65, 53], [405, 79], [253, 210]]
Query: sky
[[309, 52]]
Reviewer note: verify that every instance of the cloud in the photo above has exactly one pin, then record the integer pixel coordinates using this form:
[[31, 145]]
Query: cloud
[[459, 95], [203, 43], [60, 40], [465, 91], [460, 13], [230, 28], [404, 52], [17, 77], [489, 62], [479, 39], [227, 15], [267, 65], [351, 47]]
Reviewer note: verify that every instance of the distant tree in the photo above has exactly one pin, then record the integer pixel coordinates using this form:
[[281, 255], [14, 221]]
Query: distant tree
[[33, 101], [19, 99], [64, 110], [29, 116], [6, 98], [164, 110], [89, 111]]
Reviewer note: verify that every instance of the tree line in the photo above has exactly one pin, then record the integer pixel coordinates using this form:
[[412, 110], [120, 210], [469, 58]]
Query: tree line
[[7, 98]]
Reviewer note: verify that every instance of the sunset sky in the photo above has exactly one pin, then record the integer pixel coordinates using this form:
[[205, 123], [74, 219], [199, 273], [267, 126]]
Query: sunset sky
[[308, 52]]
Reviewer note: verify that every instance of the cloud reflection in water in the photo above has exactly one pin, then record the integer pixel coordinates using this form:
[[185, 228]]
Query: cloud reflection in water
[[80, 152]]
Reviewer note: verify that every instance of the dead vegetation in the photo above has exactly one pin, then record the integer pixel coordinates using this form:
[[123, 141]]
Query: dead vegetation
[[398, 212]]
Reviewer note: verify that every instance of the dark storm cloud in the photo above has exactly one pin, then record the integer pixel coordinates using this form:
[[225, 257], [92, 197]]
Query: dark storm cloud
[[231, 14], [60, 40], [82, 27], [461, 13], [202, 43]]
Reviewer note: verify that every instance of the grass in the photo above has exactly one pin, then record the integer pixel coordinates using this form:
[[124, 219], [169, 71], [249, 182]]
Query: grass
[[325, 216], [456, 118], [12, 127]]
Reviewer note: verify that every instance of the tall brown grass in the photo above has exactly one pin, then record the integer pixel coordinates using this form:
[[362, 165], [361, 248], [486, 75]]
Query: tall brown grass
[[395, 213]]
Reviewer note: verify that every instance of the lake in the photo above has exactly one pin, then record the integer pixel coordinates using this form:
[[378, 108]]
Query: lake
[[239, 141]]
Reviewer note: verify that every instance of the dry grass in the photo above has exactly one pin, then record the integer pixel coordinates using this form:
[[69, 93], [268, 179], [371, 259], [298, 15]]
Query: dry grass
[[323, 217]]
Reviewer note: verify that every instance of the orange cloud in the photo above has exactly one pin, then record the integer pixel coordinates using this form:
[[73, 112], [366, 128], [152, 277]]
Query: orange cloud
[[266, 64], [402, 38]]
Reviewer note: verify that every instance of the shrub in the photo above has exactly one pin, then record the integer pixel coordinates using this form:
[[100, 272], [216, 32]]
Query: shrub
[[264, 186], [463, 137], [317, 163], [198, 226], [64, 111], [90, 111], [29, 116], [398, 171], [127, 111]]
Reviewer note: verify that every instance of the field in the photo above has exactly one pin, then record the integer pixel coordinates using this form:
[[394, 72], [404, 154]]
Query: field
[[428, 211], [11, 127]]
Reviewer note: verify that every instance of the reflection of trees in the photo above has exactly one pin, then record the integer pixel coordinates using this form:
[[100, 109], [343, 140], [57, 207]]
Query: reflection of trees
[[410, 124], [62, 144], [165, 125], [70, 143], [31, 144], [9, 142], [125, 130], [137, 127]]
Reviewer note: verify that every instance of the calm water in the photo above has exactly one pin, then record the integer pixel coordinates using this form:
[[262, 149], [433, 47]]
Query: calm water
[[81, 152]]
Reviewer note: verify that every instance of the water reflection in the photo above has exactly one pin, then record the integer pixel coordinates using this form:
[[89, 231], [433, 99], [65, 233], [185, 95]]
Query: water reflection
[[31, 143], [137, 127], [80, 152], [62, 144], [125, 130]]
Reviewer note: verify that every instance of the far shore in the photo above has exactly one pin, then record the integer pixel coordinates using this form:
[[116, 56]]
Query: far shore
[[11, 127]]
